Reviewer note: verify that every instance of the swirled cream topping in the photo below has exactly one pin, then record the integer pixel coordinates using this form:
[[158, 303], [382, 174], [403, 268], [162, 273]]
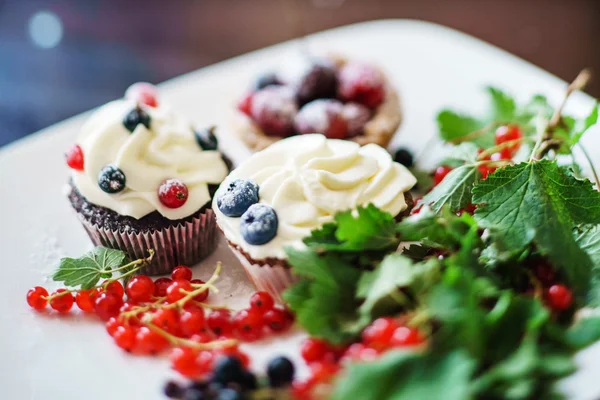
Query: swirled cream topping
[[147, 157], [307, 179]]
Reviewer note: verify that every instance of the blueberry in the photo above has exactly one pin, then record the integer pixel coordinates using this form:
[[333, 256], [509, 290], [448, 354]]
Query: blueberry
[[249, 382], [404, 157], [172, 390], [319, 82], [206, 138], [111, 179], [194, 394], [229, 394], [227, 370], [237, 197], [280, 372], [265, 80], [135, 117], [259, 224]]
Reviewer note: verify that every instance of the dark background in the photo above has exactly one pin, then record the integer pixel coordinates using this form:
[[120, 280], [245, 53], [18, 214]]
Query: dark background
[[108, 44]]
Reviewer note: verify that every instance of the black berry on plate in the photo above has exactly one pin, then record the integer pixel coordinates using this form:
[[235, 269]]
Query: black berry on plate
[[267, 79], [134, 118], [229, 394], [259, 224], [361, 83], [280, 372], [111, 179], [322, 116], [356, 116], [194, 394], [172, 193], [237, 197], [404, 157], [228, 369], [172, 390], [319, 82], [206, 138], [273, 109]]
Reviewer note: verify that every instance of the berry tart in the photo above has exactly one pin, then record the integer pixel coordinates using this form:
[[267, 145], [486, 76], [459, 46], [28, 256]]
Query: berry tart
[[143, 178], [342, 99], [279, 195]]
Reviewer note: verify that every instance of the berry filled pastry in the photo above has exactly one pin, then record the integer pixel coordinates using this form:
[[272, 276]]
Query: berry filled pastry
[[342, 99], [143, 178], [279, 195]]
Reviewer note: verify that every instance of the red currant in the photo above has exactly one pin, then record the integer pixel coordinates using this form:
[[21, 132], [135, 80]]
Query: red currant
[[149, 342], [245, 105], [249, 325], [181, 272], [184, 361], [161, 285], [359, 352], [507, 133], [192, 321], [544, 272], [405, 336], [379, 333], [559, 297], [313, 350], [440, 173], [261, 301], [62, 303], [107, 305], [322, 372], [85, 299], [202, 295], [74, 158], [112, 325], [124, 337], [116, 288], [176, 290], [172, 193], [469, 209], [205, 361], [485, 170], [36, 298], [140, 288], [219, 321], [361, 83], [143, 92], [202, 337], [167, 319], [278, 319]]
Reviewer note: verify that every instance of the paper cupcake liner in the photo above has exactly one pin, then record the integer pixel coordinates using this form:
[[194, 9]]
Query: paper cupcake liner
[[182, 244], [273, 279]]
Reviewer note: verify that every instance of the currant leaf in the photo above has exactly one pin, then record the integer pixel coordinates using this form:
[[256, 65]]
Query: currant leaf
[[503, 106], [454, 190], [87, 270], [588, 238]]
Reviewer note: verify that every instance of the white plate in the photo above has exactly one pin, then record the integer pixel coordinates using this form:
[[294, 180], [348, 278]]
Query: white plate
[[50, 357]]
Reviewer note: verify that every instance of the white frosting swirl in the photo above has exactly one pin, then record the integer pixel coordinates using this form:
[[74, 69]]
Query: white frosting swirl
[[147, 157], [307, 179]]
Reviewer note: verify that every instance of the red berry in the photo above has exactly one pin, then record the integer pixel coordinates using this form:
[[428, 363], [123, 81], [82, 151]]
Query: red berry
[[192, 321], [405, 336], [469, 209], [173, 193], [183, 360], [359, 352], [356, 116], [485, 170], [124, 337], [219, 321], [202, 295], [202, 337], [319, 81], [36, 298], [278, 319], [176, 290], [116, 288], [62, 303], [107, 305], [323, 372], [245, 105], [544, 272], [161, 285], [361, 83], [249, 325], [440, 174], [261, 301], [205, 361], [313, 349], [143, 92], [85, 299], [379, 333], [322, 116], [111, 325], [167, 319], [507, 133], [140, 288], [149, 342], [181, 272], [559, 297], [74, 158], [273, 109]]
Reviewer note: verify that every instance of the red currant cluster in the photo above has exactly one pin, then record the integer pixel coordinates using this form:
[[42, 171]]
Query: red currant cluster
[[325, 360]]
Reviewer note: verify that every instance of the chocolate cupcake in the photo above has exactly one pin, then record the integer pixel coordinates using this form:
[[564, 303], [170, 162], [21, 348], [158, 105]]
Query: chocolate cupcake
[[340, 98], [143, 178], [279, 195]]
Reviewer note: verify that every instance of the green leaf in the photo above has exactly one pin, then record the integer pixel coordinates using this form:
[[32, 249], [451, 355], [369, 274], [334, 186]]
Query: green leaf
[[454, 126], [464, 153], [581, 126], [538, 202], [584, 333], [588, 239], [400, 375], [503, 106], [454, 190], [87, 270]]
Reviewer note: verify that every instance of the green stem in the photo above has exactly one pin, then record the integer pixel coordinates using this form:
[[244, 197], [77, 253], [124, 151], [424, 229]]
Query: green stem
[[589, 160]]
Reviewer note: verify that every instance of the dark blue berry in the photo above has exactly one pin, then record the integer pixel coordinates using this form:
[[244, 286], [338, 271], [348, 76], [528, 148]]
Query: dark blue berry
[[206, 138], [237, 197], [404, 157], [258, 224], [280, 372], [172, 390], [134, 118], [319, 82], [229, 394], [228, 370], [194, 394], [265, 80], [249, 382], [111, 179]]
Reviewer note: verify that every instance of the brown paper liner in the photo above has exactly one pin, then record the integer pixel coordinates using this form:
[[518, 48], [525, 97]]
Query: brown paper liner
[[273, 279], [182, 244]]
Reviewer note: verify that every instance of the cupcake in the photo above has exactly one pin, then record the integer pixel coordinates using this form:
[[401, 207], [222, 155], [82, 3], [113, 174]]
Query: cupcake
[[340, 98], [143, 178], [279, 195]]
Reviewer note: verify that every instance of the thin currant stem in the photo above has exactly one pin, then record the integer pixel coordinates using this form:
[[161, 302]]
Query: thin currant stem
[[578, 83], [589, 160], [177, 341], [142, 261], [486, 153], [190, 295]]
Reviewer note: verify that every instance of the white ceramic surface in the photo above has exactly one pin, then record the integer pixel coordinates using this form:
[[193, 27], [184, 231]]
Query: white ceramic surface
[[50, 357]]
